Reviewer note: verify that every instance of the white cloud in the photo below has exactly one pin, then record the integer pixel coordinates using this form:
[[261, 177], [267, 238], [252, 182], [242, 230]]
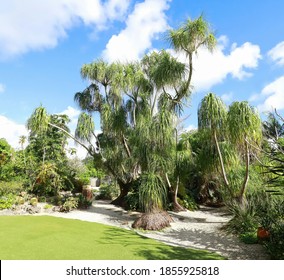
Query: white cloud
[[116, 8], [34, 25], [146, 21], [190, 128], [11, 131], [277, 53], [212, 68], [2, 88], [73, 114], [227, 97], [274, 95]]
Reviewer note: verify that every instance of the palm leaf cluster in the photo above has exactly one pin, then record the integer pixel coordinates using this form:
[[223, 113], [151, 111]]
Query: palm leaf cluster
[[235, 131]]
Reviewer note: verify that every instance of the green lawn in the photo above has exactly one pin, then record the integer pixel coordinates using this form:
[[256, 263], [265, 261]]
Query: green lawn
[[50, 238]]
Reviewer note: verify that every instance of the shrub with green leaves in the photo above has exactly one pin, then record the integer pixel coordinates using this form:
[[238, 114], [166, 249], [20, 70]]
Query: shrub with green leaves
[[14, 187], [244, 217], [108, 191], [249, 237], [34, 201], [47, 206], [188, 202], [275, 245], [7, 201], [132, 201], [20, 200], [70, 204], [83, 202]]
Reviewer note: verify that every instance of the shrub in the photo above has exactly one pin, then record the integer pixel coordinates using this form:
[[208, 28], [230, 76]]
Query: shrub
[[20, 200], [244, 217], [56, 200], [7, 201], [108, 191], [132, 201], [249, 237], [34, 201], [42, 199], [70, 204], [13, 187], [188, 202], [275, 245], [47, 206], [83, 202]]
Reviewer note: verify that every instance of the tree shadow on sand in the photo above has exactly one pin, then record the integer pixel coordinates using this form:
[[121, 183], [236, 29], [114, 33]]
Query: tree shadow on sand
[[153, 250], [220, 242]]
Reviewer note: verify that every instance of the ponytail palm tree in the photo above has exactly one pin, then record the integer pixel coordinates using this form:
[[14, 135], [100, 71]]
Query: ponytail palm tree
[[188, 39], [212, 116], [244, 126]]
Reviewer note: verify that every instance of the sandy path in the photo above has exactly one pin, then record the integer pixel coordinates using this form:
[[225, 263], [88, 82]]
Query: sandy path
[[199, 229]]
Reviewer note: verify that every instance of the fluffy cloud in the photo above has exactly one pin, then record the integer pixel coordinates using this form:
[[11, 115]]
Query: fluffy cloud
[[73, 114], [274, 96], [32, 25], [147, 20], [277, 53], [213, 68], [227, 97], [11, 131]]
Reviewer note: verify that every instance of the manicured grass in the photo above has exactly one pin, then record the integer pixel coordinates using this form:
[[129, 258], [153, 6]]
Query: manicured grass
[[50, 238]]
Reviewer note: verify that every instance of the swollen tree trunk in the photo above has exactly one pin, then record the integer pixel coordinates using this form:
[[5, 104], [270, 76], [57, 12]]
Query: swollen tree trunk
[[246, 179], [154, 220], [124, 189]]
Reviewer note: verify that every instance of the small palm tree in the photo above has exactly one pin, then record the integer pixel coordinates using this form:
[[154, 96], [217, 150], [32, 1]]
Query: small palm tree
[[212, 116], [244, 127]]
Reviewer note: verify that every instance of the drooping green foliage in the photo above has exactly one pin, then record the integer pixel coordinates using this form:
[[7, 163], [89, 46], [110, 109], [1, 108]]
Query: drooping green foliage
[[38, 122], [85, 127], [152, 193], [244, 124], [191, 35], [212, 114]]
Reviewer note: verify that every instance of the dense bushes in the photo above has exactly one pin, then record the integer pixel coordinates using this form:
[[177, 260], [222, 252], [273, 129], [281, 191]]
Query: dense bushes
[[259, 210], [108, 191]]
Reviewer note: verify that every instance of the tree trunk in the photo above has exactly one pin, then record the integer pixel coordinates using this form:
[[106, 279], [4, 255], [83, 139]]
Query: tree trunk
[[221, 161], [124, 189], [176, 206], [245, 183], [173, 196]]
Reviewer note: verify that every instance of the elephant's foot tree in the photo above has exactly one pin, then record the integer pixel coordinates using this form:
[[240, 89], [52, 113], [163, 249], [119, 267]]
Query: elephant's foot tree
[[212, 116], [244, 127], [133, 100], [153, 198], [240, 125]]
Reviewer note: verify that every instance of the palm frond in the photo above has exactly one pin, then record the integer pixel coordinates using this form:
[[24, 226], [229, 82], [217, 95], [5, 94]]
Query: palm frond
[[85, 127], [39, 120]]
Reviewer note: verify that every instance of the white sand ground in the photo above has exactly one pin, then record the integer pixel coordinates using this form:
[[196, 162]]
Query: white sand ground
[[199, 229]]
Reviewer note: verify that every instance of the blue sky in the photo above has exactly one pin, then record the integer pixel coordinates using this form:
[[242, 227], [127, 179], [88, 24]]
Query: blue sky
[[43, 45]]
